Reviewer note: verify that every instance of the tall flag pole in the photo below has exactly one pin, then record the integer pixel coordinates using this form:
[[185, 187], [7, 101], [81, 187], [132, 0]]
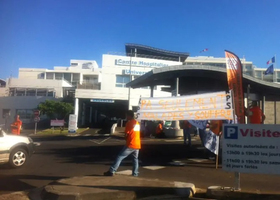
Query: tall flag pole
[[275, 67], [272, 60], [234, 77], [271, 68]]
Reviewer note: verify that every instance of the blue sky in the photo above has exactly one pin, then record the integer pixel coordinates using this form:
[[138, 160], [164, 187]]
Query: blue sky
[[47, 33]]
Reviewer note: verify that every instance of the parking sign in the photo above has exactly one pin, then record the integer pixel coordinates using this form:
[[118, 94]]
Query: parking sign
[[251, 148]]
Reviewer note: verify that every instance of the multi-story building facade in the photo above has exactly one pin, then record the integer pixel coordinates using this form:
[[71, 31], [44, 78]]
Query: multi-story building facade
[[101, 91]]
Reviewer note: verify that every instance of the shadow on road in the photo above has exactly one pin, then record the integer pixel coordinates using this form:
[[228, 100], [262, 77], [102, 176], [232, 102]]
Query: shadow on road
[[150, 154], [16, 182]]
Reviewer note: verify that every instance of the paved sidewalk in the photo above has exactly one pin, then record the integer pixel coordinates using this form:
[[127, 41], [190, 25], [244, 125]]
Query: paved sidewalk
[[116, 187]]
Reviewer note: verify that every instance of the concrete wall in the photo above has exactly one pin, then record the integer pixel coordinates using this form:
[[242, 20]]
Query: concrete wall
[[3, 91], [22, 102], [30, 73], [57, 85], [270, 112]]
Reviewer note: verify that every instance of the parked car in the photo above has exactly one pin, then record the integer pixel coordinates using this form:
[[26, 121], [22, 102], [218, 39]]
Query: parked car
[[15, 150]]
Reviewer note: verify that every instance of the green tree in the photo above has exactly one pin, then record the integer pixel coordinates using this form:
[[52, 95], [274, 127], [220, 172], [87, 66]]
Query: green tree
[[55, 109]]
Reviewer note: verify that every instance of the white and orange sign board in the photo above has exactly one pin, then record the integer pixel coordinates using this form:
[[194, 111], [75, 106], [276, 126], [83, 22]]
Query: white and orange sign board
[[209, 106]]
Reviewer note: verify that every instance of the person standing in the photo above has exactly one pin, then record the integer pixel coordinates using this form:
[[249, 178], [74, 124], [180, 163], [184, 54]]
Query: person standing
[[16, 126], [132, 147], [159, 130], [255, 114], [187, 132]]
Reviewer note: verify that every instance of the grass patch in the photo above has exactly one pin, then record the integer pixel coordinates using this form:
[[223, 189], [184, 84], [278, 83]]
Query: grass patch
[[57, 131]]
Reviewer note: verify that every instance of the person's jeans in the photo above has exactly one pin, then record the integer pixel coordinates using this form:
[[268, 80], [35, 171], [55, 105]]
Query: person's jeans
[[122, 155], [187, 134]]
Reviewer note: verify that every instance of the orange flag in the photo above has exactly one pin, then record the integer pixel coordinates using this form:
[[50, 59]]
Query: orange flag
[[234, 77]]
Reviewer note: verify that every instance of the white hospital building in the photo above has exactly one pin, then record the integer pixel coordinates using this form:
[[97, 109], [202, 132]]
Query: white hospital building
[[100, 91]]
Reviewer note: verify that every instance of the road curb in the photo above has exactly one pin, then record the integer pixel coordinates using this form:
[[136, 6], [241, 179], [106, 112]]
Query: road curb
[[223, 193], [106, 188], [15, 196]]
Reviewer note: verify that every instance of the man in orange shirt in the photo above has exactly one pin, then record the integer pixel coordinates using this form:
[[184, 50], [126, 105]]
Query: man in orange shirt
[[255, 114], [133, 144], [16, 126]]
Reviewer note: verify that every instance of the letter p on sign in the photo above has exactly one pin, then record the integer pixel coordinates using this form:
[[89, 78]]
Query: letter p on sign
[[230, 132]]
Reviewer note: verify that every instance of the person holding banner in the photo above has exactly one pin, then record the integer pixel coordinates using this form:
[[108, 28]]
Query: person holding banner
[[132, 147], [187, 132], [159, 130], [255, 114]]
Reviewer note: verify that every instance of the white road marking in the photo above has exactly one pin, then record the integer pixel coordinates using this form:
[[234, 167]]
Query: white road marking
[[97, 141], [154, 167], [104, 140], [177, 163], [94, 141], [198, 160], [105, 135]]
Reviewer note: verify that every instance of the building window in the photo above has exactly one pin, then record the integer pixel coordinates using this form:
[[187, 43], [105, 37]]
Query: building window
[[248, 73], [19, 92], [6, 113], [41, 93], [122, 80], [74, 64], [49, 75], [67, 77], [258, 74], [25, 113], [58, 76], [76, 78], [90, 79], [41, 76], [30, 92], [51, 94], [248, 67]]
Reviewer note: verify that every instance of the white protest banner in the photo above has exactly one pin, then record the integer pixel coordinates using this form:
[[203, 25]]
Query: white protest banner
[[201, 124], [209, 106], [251, 148], [211, 142]]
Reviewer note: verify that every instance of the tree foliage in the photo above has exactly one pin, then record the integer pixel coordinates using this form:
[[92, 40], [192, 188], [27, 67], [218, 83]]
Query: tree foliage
[[55, 109]]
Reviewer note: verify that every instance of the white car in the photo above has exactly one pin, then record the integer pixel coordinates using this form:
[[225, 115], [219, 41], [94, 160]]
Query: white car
[[14, 149]]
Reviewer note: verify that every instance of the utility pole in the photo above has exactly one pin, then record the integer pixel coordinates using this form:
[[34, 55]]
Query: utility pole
[[130, 77]]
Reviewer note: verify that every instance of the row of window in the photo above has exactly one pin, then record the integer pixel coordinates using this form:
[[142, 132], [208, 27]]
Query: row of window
[[31, 92], [70, 77], [122, 80], [23, 113]]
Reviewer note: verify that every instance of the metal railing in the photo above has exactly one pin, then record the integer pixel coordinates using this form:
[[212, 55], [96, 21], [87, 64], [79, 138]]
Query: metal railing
[[143, 56], [89, 86]]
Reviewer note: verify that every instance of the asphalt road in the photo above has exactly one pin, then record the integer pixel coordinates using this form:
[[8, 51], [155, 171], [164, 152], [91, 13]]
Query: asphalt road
[[62, 157]]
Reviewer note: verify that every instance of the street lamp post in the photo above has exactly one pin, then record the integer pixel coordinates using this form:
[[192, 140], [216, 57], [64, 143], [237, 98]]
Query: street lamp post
[[130, 77]]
